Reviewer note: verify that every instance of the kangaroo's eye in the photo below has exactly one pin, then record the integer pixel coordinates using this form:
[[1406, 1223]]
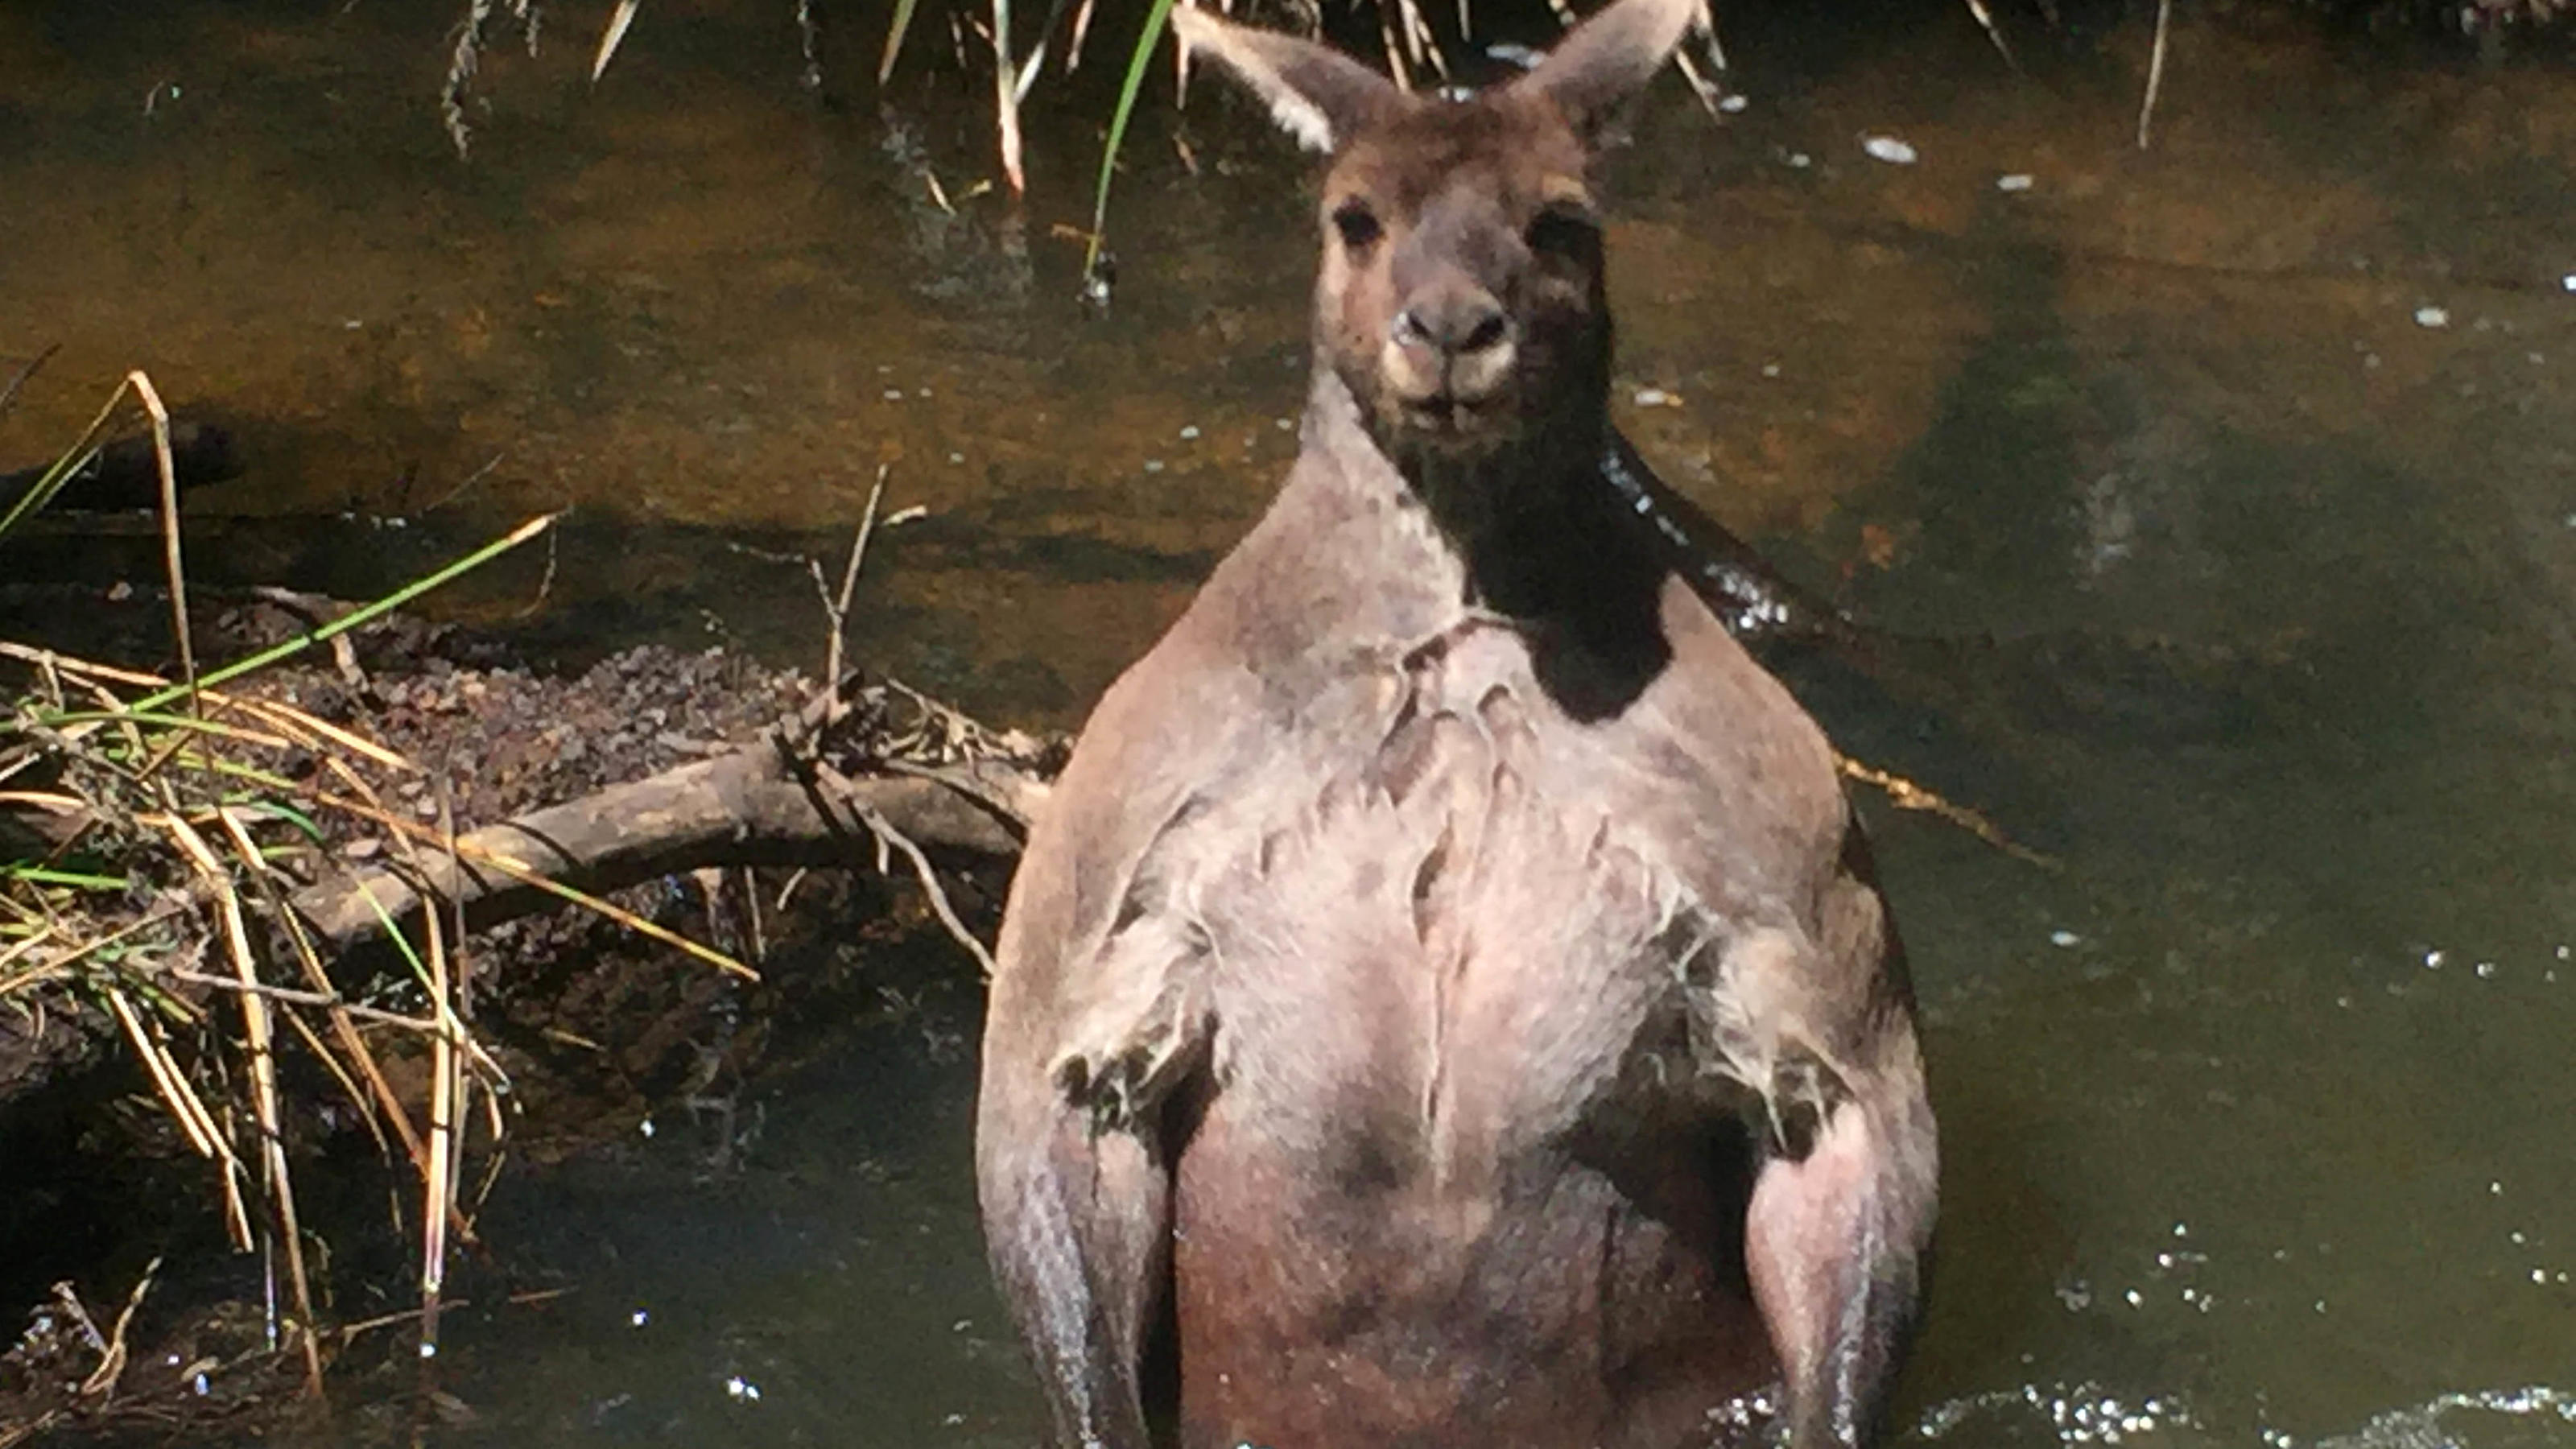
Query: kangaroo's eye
[[1560, 232], [1357, 225]]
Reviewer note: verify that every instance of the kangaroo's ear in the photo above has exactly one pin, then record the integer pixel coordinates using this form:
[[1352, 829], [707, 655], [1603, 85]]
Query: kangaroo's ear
[[1317, 94], [1610, 57]]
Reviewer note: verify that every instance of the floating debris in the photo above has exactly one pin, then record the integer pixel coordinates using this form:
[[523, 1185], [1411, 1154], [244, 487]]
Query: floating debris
[[1734, 102], [2432, 317], [1888, 149], [2016, 181]]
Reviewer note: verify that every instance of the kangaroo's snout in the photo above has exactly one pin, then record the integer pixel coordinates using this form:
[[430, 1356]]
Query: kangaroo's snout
[[1451, 345]]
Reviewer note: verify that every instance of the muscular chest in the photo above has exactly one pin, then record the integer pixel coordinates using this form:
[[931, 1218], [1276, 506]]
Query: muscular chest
[[1437, 926]]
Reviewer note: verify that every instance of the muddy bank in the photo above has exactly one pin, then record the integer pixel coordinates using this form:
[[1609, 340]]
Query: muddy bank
[[590, 1028]]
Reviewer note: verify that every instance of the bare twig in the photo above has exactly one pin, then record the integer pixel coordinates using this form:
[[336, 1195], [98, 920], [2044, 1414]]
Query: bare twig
[[545, 583], [838, 607], [350, 1331], [1904, 794], [112, 1352], [9, 394], [886, 834]]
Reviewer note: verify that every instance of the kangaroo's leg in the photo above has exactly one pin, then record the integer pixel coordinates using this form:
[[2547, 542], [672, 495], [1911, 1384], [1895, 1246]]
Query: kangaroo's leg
[[1077, 1218]]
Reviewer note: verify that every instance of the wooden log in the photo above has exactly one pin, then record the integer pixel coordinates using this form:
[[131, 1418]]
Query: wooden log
[[750, 807]]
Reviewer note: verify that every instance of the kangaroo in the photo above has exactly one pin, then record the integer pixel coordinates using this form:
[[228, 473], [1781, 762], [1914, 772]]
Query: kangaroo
[[1446, 1000]]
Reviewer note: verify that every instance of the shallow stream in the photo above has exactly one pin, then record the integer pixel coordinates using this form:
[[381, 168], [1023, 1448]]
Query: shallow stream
[[2247, 462]]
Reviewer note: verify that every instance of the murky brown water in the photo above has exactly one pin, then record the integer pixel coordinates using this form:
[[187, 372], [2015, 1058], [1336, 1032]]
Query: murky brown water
[[2256, 449]]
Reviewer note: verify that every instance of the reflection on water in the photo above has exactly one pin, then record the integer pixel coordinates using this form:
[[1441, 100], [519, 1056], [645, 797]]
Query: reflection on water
[[2241, 473]]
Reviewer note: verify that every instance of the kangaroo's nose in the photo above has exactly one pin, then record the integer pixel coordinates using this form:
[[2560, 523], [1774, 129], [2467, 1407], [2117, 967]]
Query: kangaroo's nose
[[1456, 323]]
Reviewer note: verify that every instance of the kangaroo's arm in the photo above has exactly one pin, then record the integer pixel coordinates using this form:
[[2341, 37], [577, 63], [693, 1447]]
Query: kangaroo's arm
[[1839, 1228], [1811, 1009], [1098, 1017]]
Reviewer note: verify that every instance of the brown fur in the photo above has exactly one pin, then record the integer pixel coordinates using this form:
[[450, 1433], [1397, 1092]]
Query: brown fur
[[1445, 1002]]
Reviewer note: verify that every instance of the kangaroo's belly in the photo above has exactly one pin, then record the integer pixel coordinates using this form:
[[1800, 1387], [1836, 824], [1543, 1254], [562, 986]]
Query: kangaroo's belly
[[1461, 1178], [1585, 1306]]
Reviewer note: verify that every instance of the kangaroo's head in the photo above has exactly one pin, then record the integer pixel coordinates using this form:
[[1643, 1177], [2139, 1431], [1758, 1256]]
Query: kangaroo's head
[[1460, 297]]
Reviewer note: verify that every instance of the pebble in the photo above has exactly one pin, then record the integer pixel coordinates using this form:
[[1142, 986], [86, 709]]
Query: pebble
[[2017, 181], [1888, 149], [1735, 103], [2432, 317]]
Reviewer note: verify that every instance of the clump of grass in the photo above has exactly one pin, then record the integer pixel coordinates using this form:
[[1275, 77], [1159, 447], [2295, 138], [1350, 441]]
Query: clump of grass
[[161, 827]]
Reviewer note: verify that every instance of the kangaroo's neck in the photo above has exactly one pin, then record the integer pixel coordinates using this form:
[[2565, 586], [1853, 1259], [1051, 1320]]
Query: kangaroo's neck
[[1538, 535]]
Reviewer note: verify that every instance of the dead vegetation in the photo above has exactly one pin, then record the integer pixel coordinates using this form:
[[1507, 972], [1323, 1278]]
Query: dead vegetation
[[235, 877], [220, 885]]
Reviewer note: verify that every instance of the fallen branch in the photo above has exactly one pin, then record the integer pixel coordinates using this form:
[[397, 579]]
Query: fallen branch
[[749, 807]]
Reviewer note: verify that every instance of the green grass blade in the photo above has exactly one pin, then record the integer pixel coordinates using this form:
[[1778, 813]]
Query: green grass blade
[[64, 467], [43, 876], [1136, 63], [291, 816], [45, 487], [354, 617]]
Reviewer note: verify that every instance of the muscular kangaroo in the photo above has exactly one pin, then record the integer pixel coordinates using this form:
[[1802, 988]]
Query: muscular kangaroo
[[1446, 1002]]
